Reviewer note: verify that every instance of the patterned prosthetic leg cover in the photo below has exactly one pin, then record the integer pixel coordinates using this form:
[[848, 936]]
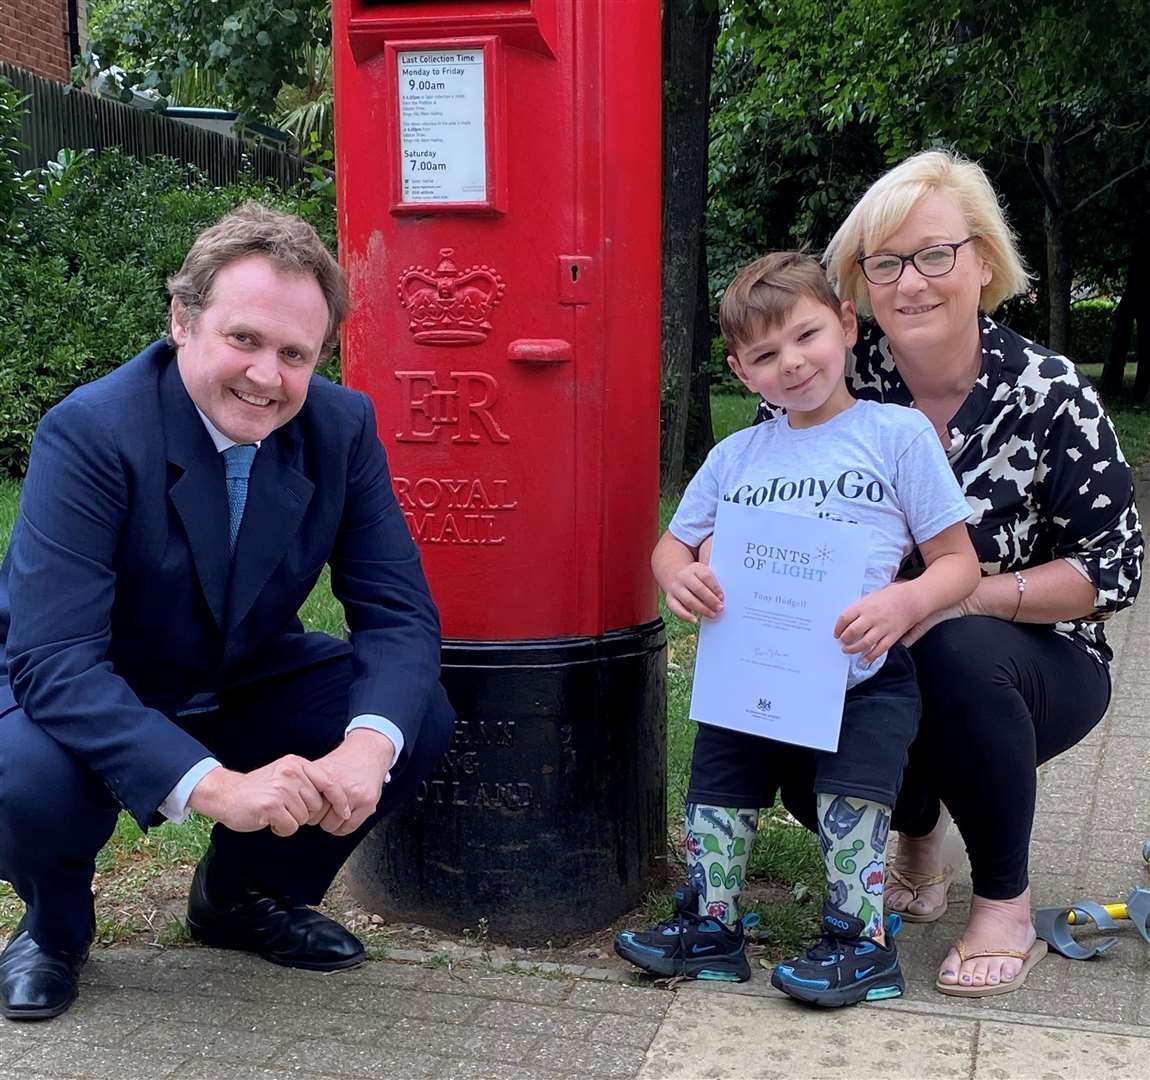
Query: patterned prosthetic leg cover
[[853, 835], [719, 841]]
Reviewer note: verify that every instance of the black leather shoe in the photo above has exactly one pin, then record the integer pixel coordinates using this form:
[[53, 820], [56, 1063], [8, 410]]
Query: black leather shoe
[[35, 984], [231, 917]]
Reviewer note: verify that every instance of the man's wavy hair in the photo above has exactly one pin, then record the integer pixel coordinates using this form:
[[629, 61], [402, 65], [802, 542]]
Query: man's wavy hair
[[288, 242]]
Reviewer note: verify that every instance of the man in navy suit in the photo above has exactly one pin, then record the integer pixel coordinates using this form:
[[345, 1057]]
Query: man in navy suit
[[175, 516]]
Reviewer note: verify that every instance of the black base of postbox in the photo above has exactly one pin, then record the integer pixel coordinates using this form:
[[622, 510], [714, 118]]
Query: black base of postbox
[[547, 819]]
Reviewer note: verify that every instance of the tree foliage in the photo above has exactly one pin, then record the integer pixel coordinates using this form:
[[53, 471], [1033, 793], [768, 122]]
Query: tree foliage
[[248, 50], [957, 70], [307, 111], [810, 101], [12, 185], [1054, 97], [775, 182]]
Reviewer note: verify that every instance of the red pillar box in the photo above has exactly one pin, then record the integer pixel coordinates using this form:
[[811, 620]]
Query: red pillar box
[[499, 211]]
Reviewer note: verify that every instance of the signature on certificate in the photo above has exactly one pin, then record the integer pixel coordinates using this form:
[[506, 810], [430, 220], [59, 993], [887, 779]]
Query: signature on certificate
[[771, 653]]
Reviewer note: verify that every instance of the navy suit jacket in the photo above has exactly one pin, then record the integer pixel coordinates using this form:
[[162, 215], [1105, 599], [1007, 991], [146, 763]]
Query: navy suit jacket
[[119, 600]]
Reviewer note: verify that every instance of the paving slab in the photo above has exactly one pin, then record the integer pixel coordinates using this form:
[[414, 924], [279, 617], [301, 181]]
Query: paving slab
[[773, 1038], [1007, 1051], [210, 1070], [764, 1037], [588, 1059], [206, 1040], [65, 1058], [624, 1000], [330, 1057], [211, 1016]]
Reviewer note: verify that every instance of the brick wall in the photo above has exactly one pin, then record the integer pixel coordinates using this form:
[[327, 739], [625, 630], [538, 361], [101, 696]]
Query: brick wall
[[34, 35]]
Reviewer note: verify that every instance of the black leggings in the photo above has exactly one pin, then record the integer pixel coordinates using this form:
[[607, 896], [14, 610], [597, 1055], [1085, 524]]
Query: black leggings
[[998, 700]]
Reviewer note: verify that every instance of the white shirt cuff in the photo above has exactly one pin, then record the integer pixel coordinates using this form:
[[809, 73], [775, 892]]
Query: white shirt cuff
[[175, 806], [384, 727]]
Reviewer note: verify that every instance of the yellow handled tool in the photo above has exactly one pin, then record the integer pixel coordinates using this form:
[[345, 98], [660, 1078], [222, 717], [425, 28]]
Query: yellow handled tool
[[1115, 911]]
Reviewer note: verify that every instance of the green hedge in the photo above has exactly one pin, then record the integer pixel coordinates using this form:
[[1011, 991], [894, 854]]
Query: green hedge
[[1089, 325], [89, 243], [1090, 329]]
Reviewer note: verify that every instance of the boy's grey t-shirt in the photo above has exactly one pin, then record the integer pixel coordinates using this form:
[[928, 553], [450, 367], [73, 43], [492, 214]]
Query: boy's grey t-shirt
[[876, 465]]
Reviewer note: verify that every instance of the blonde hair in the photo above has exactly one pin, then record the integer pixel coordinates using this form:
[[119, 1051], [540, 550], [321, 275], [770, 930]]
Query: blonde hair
[[889, 200], [288, 242], [762, 294]]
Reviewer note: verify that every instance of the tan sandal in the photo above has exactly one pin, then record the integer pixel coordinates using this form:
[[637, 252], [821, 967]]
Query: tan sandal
[[1029, 958], [914, 884]]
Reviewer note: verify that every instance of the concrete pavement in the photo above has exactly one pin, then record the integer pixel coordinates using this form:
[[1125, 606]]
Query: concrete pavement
[[201, 1014]]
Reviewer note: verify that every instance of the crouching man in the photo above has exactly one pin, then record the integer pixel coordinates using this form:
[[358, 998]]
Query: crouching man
[[175, 517]]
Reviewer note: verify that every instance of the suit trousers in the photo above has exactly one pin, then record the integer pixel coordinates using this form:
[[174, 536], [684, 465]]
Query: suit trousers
[[56, 814]]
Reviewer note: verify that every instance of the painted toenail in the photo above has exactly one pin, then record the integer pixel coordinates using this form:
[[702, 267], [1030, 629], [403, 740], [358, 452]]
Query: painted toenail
[[966, 978]]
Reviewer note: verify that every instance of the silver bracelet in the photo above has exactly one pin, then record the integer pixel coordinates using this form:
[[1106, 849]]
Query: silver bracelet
[[1020, 581]]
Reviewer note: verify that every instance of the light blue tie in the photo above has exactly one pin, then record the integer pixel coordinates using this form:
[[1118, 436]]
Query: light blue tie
[[237, 467]]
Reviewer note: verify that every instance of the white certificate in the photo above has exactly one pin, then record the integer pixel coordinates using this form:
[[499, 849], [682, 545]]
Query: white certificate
[[770, 664]]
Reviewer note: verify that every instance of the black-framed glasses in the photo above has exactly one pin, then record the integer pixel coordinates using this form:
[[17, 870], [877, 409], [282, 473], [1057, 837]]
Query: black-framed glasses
[[935, 260]]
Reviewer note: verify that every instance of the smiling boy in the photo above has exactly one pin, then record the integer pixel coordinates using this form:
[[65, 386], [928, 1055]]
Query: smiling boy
[[788, 338]]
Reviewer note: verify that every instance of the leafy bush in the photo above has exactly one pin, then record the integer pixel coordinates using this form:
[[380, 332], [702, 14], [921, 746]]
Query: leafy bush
[[12, 186], [1024, 315], [82, 281], [1089, 324], [1090, 329]]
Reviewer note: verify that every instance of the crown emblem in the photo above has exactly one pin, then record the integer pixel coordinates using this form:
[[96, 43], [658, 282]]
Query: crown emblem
[[449, 306]]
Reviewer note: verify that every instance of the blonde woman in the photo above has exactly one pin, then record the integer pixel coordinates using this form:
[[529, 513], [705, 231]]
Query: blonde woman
[[1017, 673]]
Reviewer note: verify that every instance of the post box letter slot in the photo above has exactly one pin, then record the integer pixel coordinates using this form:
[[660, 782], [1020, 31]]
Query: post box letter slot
[[539, 351]]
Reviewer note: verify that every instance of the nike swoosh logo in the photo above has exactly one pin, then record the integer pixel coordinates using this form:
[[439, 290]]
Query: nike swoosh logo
[[865, 972], [696, 949]]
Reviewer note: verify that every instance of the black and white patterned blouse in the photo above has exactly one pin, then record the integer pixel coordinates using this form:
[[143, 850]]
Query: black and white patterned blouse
[[1037, 458]]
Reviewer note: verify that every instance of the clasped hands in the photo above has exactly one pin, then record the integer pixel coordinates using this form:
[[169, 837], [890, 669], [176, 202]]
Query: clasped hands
[[337, 792]]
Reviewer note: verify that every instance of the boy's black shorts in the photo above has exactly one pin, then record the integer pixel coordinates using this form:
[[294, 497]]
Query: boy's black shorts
[[880, 720]]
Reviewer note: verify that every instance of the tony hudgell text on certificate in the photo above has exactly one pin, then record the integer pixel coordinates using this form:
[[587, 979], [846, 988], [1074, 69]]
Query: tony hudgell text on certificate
[[769, 664]]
